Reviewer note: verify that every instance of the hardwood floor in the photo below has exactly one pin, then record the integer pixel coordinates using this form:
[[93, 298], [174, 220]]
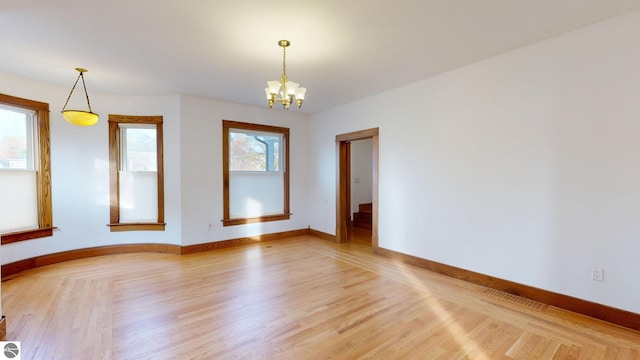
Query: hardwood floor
[[299, 298]]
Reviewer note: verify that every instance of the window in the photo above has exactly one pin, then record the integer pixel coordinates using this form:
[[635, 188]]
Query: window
[[25, 172], [136, 174], [255, 173]]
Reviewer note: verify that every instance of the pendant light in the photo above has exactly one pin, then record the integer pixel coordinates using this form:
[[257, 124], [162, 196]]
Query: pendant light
[[80, 117]]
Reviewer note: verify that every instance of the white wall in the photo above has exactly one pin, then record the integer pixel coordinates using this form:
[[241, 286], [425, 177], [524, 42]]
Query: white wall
[[192, 164], [361, 173], [80, 171], [201, 168], [524, 166]]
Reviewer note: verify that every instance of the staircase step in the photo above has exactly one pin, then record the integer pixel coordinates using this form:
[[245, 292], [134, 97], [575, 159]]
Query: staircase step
[[365, 208], [364, 218]]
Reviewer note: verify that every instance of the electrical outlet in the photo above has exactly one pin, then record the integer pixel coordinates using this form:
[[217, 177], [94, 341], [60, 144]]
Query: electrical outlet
[[597, 274]]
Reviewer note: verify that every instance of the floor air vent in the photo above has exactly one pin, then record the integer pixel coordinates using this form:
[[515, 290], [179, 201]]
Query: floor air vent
[[500, 295]]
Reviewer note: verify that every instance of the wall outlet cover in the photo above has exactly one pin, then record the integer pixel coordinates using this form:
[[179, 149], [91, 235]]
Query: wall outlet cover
[[597, 274]]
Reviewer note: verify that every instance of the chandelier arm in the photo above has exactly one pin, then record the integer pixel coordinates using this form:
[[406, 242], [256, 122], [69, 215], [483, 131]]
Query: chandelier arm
[[73, 88], [85, 92]]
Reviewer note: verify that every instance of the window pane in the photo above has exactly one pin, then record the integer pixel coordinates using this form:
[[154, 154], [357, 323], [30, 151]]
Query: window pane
[[140, 149], [136, 186], [19, 210], [256, 174], [256, 194], [249, 151], [138, 177], [138, 196], [18, 189], [25, 176], [16, 140]]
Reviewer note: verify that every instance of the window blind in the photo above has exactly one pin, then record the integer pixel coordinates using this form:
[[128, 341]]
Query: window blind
[[18, 195]]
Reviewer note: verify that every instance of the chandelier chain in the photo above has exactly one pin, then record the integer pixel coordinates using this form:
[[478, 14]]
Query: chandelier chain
[[86, 94], [284, 62], [73, 88]]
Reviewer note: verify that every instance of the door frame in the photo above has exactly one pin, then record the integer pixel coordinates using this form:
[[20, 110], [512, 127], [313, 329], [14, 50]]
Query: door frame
[[343, 182]]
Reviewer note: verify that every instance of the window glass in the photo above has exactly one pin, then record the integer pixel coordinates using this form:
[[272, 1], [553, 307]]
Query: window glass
[[16, 138], [136, 173], [250, 151], [255, 173], [18, 180], [139, 148], [25, 181]]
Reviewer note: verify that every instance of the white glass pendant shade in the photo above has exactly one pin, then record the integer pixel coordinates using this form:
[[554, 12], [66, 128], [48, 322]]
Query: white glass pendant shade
[[292, 88], [273, 86], [300, 93]]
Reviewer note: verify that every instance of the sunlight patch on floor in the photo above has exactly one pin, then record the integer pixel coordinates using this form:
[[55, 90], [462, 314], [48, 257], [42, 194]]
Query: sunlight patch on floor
[[462, 338]]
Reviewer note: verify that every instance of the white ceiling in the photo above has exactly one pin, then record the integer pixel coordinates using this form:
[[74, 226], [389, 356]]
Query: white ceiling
[[341, 50]]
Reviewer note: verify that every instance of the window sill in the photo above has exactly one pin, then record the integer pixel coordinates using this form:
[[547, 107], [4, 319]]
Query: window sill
[[137, 227], [26, 235], [241, 221]]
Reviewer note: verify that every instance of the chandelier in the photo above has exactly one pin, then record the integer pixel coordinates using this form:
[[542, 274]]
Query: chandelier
[[284, 91], [80, 117]]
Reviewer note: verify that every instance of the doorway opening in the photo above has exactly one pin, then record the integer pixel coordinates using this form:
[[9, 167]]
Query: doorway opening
[[343, 186]]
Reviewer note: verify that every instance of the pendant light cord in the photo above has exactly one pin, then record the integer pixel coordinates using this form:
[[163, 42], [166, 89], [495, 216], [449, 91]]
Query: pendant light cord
[[74, 87], [85, 92]]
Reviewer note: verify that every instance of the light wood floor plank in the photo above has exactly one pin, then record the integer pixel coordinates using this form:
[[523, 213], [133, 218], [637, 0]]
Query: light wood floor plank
[[299, 298]]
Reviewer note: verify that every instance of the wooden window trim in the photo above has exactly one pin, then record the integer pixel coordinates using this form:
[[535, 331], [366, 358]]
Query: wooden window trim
[[242, 221], [227, 125], [114, 186], [43, 172], [137, 226]]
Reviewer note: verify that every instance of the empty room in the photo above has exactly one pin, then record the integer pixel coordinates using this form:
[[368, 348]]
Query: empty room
[[311, 180]]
